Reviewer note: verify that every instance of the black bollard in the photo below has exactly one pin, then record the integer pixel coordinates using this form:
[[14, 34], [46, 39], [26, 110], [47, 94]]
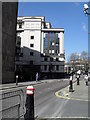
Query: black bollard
[[77, 81], [71, 85], [16, 79], [29, 103]]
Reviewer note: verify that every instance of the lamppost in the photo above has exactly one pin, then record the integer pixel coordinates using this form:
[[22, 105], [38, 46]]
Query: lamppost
[[50, 69], [85, 9]]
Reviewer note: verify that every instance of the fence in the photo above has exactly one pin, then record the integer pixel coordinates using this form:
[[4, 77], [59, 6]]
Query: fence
[[12, 103]]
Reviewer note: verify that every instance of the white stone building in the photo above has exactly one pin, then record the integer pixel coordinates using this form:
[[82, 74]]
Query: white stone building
[[41, 45]]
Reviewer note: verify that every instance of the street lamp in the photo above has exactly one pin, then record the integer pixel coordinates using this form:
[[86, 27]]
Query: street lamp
[[85, 9], [85, 12]]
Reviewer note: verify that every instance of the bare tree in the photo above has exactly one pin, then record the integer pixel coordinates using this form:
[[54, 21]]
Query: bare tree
[[84, 57], [72, 60], [78, 59]]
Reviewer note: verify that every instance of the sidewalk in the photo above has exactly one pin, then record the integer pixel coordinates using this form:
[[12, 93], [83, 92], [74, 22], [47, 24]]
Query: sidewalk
[[22, 84], [80, 92]]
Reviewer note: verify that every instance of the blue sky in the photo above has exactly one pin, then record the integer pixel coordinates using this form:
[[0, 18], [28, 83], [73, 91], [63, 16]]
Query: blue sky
[[67, 15]]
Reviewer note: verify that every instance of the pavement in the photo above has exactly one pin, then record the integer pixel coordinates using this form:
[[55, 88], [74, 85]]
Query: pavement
[[22, 84], [80, 92]]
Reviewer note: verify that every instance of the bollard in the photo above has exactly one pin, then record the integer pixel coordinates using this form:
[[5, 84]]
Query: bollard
[[16, 79], [77, 81], [71, 85], [29, 103]]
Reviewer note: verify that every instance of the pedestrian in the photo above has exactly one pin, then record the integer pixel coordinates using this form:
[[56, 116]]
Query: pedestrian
[[36, 76], [86, 80], [71, 85], [77, 79]]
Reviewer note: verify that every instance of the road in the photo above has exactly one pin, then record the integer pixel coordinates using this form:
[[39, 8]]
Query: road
[[47, 105]]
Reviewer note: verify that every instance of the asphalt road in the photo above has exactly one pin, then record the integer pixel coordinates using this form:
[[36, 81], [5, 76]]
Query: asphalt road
[[47, 105]]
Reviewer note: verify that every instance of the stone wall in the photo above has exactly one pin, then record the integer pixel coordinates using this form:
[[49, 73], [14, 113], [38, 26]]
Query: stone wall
[[9, 20], [0, 42]]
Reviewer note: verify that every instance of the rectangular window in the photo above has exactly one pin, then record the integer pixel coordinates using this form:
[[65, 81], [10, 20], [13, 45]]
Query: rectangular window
[[32, 37], [45, 59], [45, 67], [21, 54], [31, 62], [56, 51], [56, 59], [51, 59], [31, 45], [20, 25], [41, 55], [31, 53], [52, 51], [57, 67]]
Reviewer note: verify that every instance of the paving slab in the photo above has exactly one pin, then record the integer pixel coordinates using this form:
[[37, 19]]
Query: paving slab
[[80, 92]]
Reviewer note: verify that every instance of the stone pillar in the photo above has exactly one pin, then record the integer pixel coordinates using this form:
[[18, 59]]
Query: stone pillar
[[42, 42], [0, 43], [9, 21], [61, 44]]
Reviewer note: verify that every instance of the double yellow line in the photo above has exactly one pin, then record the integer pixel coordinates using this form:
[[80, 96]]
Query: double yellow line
[[65, 97]]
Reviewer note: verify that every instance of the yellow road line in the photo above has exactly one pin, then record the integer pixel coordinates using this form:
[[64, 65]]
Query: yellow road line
[[64, 97]]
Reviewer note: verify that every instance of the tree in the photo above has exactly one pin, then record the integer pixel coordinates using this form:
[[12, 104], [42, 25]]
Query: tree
[[72, 60], [73, 56], [80, 60], [84, 57]]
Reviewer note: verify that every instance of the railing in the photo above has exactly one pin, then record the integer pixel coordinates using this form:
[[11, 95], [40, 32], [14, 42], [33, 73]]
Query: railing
[[13, 104]]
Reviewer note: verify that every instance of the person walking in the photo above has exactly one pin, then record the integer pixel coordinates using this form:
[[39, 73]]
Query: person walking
[[86, 80], [77, 79], [36, 76]]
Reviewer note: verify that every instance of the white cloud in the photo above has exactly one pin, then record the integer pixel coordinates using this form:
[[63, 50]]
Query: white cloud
[[84, 27]]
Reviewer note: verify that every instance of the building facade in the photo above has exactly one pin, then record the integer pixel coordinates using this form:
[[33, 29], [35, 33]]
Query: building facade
[[40, 46], [7, 42]]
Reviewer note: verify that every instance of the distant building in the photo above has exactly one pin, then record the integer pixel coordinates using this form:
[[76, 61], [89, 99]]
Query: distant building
[[40, 46], [75, 65]]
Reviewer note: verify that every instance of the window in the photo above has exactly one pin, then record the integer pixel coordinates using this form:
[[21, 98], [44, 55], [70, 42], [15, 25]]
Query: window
[[56, 59], [20, 25], [31, 53], [57, 67], [41, 55], [21, 55], [31, 62], [56, 51], [32, 37], [52, 51], [45, 67], [45, 59], [31, 45], [50, 67], [51, 59]]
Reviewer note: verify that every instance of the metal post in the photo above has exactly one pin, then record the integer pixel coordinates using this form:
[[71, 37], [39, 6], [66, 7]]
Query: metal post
[[16, 79], [71, 85], [29, 103], [77, 81]]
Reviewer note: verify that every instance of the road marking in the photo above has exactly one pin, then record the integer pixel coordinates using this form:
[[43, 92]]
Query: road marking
[[70, 98], [73, 117]]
